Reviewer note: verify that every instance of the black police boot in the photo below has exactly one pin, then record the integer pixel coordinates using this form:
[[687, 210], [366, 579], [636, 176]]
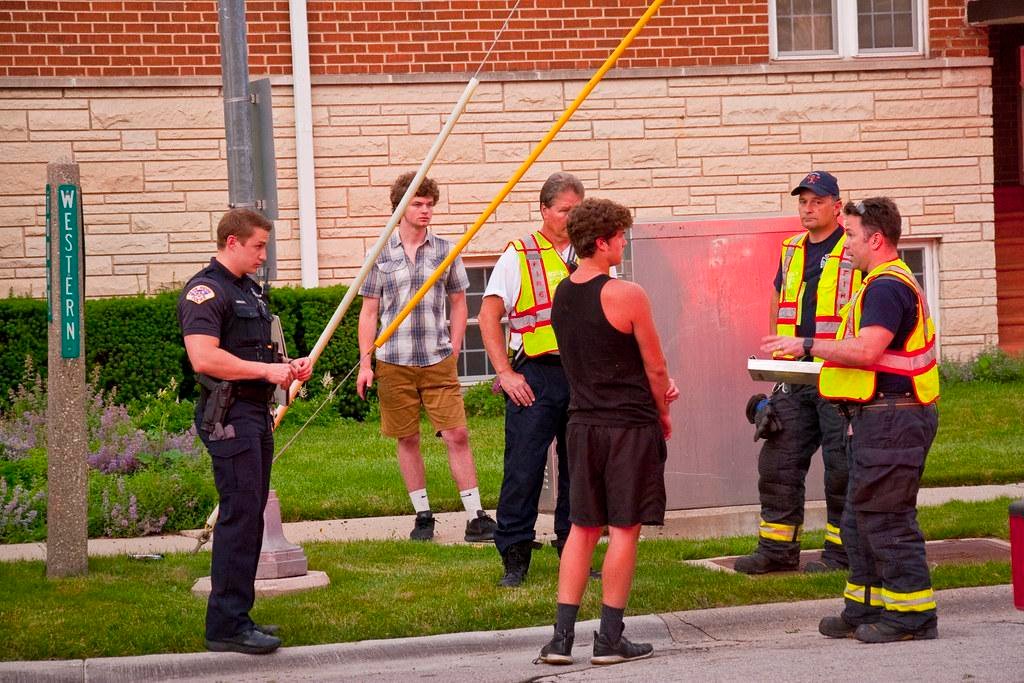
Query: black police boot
[[517, 563], [251, 642], [558, 650], [758, 563]]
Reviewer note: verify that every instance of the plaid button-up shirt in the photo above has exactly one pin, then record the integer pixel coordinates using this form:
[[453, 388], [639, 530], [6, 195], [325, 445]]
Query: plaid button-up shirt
[[422, 339]]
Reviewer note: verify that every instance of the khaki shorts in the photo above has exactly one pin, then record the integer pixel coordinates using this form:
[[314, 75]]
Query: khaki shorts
[[402, 389]]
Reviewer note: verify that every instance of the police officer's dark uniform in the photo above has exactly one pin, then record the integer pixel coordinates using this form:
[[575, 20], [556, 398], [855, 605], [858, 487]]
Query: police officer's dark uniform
[[217, 303]]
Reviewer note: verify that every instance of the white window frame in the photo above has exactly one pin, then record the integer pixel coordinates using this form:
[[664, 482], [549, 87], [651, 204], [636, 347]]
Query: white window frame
[[846, 35], [472, 321], [930, 261]]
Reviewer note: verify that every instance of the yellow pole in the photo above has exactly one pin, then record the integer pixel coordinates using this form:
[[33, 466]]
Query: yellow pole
[[461, 244]]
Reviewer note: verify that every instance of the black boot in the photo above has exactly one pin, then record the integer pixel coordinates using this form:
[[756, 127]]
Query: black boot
[[517, 563]]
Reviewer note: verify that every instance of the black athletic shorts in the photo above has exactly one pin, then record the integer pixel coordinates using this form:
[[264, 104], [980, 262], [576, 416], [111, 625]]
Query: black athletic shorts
[[616, 475]]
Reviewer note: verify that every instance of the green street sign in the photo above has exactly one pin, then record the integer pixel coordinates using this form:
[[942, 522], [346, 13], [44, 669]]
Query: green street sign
[[69, 284]]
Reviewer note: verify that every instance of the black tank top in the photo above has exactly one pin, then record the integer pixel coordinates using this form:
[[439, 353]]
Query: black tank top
[[608, 385]]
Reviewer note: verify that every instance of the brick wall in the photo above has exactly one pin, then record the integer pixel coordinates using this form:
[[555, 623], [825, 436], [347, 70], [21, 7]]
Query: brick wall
[[163, 38], [716, 142]]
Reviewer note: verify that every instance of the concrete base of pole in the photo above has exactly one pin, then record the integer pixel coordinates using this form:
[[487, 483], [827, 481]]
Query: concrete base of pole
[[267, 588], [279, 558]]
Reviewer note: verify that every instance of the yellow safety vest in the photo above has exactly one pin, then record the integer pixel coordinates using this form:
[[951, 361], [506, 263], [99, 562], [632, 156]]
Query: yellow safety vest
[[916, 360], [541, 268], [839, 280]]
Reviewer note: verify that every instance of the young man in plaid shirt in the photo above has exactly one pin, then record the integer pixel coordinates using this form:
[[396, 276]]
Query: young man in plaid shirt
[[417, 365]]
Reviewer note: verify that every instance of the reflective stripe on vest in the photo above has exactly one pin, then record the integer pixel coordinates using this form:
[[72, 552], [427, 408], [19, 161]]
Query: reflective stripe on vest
[[832, 534], [541, 268], [838, 281], [863, 595], [779, 532], [918, 601], [916, 360]]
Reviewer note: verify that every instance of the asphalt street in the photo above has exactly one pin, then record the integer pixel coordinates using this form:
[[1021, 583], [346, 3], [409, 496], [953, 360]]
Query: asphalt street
[[981, 638]]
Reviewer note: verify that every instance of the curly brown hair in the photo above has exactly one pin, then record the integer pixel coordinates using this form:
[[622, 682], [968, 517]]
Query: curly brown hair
[[594, 219], [427, 188]]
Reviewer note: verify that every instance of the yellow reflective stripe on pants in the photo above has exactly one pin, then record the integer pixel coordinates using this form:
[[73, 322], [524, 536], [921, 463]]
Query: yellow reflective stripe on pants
[[918, 601], [856, 593], [832, 535], [779, 532]]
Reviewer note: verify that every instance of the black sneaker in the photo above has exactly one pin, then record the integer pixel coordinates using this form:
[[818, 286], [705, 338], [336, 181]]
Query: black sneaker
[[884, 633], [251, 642], [606, 652], [424, 529], [757, 563], [558, 650], [836, 627], [480, 529], [516, 562]]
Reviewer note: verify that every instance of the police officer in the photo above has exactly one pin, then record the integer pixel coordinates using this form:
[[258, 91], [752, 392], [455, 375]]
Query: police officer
[[814, 280], [882, 368], [226, 325]]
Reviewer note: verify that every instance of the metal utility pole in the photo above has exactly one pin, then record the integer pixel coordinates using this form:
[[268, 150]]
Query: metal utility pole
[[234, 64]]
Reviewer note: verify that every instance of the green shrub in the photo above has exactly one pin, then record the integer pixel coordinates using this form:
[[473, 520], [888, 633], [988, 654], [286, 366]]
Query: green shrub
[[482, 402], [22, 512], [991, 365], [136, 343]]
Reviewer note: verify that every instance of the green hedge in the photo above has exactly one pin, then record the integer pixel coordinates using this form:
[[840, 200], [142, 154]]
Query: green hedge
[[134, 343]]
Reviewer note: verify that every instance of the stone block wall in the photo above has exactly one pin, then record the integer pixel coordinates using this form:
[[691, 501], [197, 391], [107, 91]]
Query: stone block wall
[[670, 144]]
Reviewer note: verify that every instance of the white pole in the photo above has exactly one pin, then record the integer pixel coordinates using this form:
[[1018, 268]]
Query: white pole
[[303, 107], [385, 235]]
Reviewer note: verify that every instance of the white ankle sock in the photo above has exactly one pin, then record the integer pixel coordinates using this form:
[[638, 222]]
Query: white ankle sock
[[420, 503], [471, 501]]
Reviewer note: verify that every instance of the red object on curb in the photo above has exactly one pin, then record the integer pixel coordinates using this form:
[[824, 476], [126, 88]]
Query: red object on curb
[[1017, 552]]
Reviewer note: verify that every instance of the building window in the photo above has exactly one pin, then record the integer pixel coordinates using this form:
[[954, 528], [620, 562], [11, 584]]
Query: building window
[[474, 366], [921, 256], [845, 28]]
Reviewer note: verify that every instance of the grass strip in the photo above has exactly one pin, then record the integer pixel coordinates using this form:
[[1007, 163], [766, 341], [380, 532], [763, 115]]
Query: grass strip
[[392, 589]]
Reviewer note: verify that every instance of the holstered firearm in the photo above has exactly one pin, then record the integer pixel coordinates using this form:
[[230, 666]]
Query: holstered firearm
[[218, 398]]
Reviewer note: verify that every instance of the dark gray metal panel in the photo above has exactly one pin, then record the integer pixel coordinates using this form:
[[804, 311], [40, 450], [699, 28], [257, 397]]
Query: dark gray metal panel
[[710, 284], [990, 12]]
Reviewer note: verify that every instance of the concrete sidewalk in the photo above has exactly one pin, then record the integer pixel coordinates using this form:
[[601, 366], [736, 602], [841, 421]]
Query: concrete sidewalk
[[700, 523], [981, 636]]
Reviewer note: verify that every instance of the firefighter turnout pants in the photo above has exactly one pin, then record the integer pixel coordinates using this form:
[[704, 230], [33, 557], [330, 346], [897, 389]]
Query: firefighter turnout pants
[[808, 421], [889, 579]]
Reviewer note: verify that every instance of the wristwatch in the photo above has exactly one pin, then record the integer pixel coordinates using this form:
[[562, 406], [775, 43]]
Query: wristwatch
[[808, 345]]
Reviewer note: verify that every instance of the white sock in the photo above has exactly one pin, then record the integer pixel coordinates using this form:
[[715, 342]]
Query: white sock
[[419, 500], [471, 501]]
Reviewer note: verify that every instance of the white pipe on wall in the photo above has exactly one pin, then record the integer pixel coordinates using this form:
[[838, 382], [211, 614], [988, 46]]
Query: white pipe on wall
[[303, 105]]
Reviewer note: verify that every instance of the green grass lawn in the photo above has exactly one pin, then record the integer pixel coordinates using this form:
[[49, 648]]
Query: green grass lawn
[[347, 469], [981, 435], [391, 589]]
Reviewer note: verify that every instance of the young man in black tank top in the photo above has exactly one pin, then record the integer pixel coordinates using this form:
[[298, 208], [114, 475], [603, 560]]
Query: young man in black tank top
[[618, 423]]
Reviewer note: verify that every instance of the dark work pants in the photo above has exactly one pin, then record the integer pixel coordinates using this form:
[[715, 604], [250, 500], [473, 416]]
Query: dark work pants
[[880, 531], [241, 472], [808, 421], [529, 432]]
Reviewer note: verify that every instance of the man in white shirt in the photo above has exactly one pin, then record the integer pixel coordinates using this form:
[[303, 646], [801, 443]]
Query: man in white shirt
[[529, 370]]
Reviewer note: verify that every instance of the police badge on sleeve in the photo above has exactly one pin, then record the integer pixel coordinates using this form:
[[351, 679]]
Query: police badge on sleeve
[[199, 294]]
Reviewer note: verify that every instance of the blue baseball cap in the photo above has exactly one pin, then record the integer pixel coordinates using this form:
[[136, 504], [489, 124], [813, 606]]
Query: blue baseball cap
[[821, 183]]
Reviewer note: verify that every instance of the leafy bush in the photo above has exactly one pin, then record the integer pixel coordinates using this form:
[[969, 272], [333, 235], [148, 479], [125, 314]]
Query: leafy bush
[[991, 365], [140, 481], [22, 513], [136, 344], [482, 402]]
